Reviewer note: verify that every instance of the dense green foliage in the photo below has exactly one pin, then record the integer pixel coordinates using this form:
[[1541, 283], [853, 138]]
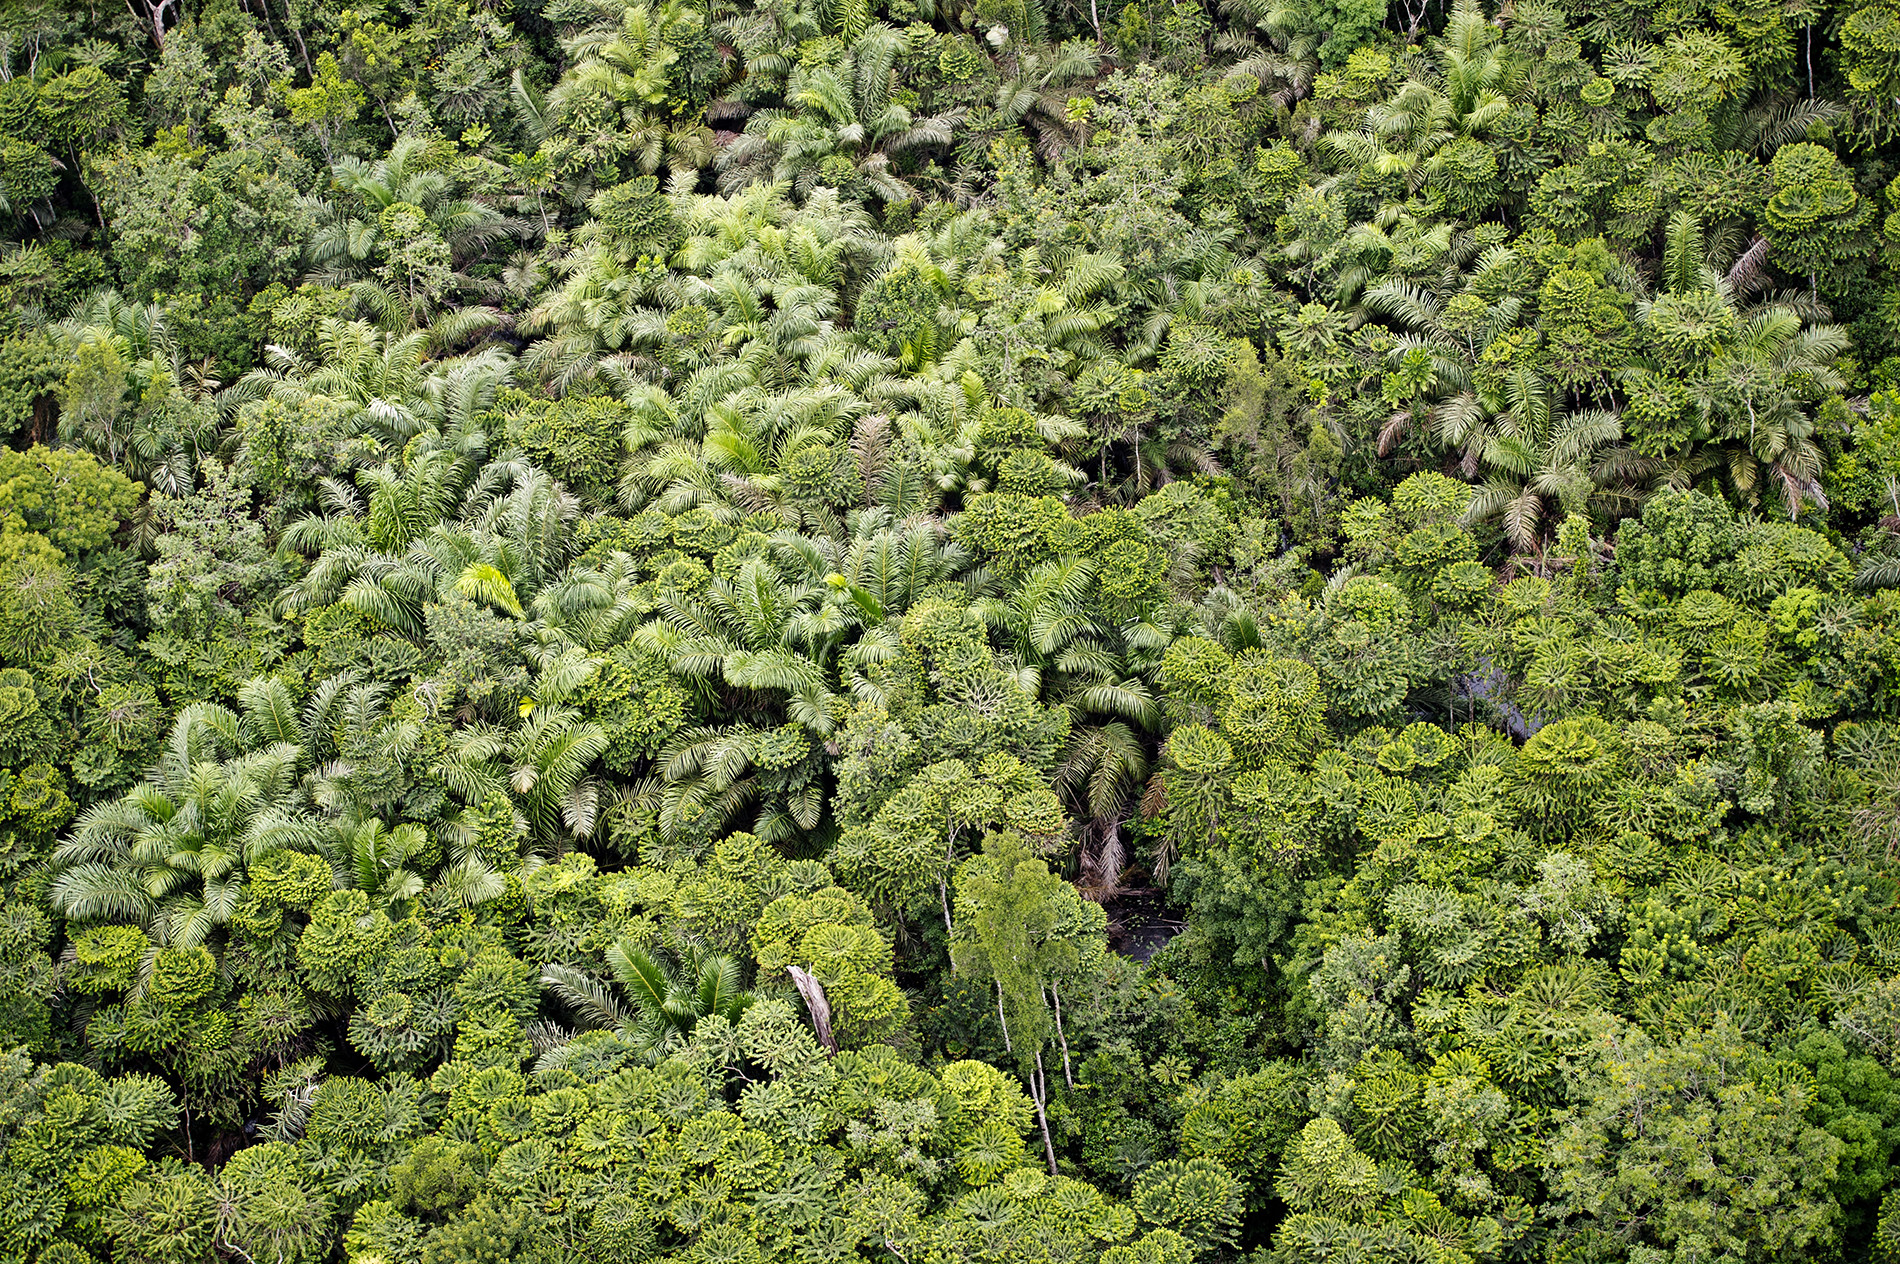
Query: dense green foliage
[[610, 609]]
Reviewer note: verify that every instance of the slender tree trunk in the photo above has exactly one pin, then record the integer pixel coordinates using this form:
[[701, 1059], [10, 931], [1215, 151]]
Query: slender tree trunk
[[1007, 1047], [269, 24], [1039, 1085], [303, 49], [1068, 1076]]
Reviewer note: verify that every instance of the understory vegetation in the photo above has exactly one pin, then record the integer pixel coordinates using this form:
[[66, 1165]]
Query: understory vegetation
[[949, 631]]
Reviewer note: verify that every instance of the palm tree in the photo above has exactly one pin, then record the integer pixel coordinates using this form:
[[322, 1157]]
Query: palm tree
[[1036, 93], [1416, 134], [348, 236], [1265, 45], [363, 240], [775, 642], [662, 1005], [595, 607], [1044, 615], [767, 278], [748, 631], [542, 762], [711, 773], [1416, 302], [232, 787], [839, 125], [1063, 646], [387, 384], [140, 330], [1104, 767], [171, 854], [404, 550], [615, 100], [162, 437], [885, 566], [1753, 371], [378, 860], [1759, 395], [448, 521], [1508, 424], [606, 308], [1538, 457]]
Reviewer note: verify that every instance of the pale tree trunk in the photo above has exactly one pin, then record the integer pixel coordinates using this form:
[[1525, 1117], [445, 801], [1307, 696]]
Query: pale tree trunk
[[1068, 1077], [814, 994], [156, 11], [1007, 1047], [1039, 1093]]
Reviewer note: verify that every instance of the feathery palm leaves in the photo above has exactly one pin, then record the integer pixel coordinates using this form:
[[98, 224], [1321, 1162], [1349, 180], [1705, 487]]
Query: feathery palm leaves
[[840, 124], [661, 1006], [171, 853]]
